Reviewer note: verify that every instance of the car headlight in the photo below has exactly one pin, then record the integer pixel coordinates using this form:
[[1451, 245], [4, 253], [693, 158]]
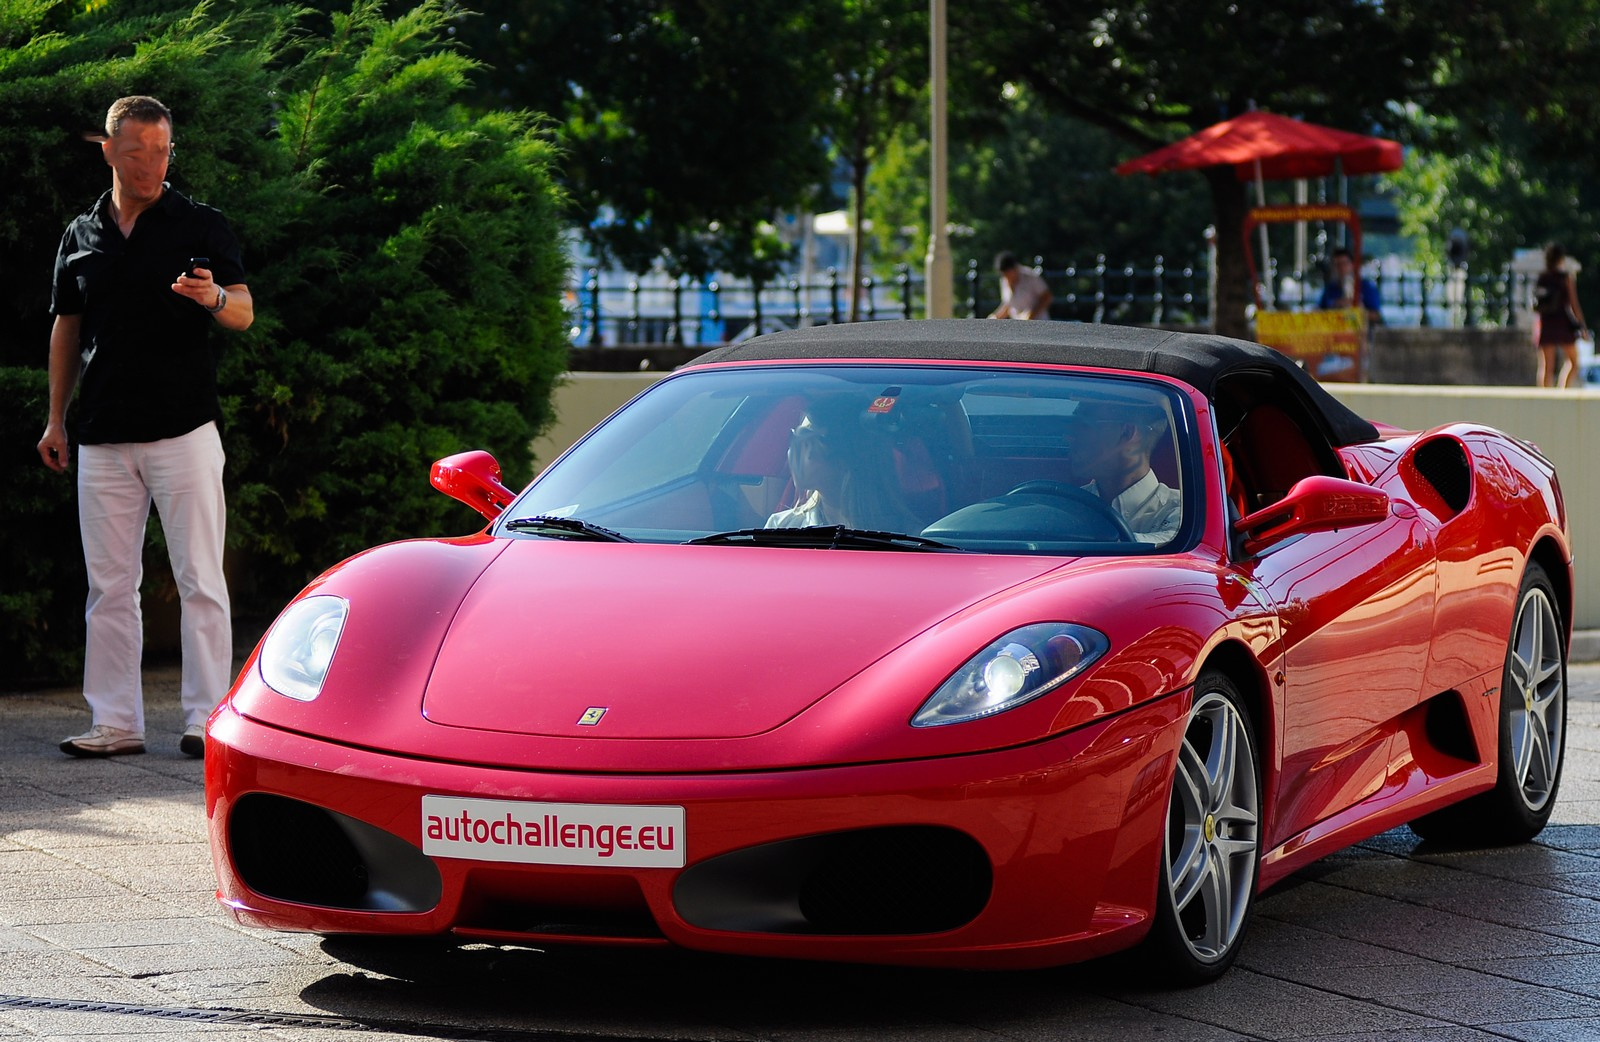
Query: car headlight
[[299, 649], [1016, 669]]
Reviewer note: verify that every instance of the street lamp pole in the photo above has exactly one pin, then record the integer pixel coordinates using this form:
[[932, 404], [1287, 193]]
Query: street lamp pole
[[937, 287]]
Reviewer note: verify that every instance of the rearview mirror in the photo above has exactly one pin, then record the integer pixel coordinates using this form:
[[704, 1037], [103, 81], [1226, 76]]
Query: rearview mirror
[[473, 478], [1315, 504]]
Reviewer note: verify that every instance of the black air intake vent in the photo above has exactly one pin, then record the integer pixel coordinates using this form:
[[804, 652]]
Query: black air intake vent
[[1442, 463], [903, 879]]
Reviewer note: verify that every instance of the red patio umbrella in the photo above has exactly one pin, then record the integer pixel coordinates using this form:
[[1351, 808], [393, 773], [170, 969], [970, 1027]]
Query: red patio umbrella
[[1285, 148]]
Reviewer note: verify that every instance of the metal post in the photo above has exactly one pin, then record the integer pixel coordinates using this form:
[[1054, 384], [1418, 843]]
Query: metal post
[[1159, 303], [1099, 288], [800, 317], [938, 261], [677, 310], [593, 288], [633, 312], [714, 288]]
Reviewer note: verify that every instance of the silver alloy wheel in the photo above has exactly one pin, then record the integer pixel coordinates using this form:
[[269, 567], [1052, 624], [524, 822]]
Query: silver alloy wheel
[[1213, 827], [1539, 685]]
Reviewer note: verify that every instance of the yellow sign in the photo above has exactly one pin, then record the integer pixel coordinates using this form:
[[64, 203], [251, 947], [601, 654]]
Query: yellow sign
[[1327, 343], [1302, 212]]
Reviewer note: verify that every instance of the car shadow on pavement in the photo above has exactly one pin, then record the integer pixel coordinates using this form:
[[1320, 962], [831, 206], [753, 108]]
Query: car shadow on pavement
[[1390, 938], [678, 994]]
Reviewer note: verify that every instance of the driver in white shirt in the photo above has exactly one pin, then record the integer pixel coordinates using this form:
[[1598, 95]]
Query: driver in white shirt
[[1110, 446]]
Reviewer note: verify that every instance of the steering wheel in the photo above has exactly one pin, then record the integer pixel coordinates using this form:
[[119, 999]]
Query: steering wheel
[[1100, 521]]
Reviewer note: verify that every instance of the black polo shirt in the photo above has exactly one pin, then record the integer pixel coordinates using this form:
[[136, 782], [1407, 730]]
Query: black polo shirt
[[149, 369]]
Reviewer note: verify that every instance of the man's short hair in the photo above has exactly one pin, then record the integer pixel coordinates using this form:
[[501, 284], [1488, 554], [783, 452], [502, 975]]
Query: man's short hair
[[1150, 418], [1342, 252], [140, 108], [1005, 260]]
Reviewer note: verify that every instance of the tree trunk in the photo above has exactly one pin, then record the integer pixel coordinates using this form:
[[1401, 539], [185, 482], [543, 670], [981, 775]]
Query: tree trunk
[[858, 197], [1234, 292]]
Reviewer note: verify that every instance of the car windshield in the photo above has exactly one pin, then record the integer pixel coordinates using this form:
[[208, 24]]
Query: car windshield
[[937, 458]]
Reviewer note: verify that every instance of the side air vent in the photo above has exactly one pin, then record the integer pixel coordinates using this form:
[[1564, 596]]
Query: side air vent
[[1442, 465]]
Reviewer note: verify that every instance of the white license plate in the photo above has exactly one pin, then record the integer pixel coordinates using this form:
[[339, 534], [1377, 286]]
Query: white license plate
[[553, 833]]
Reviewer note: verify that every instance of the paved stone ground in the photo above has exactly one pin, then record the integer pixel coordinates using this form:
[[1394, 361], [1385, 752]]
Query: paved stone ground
[[109, 930]]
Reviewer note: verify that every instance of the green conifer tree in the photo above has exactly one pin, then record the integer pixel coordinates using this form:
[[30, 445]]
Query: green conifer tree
[[404, 253]]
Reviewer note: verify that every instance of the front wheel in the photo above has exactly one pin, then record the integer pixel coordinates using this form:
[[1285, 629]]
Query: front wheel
[[1213, 838], [1533, 732]]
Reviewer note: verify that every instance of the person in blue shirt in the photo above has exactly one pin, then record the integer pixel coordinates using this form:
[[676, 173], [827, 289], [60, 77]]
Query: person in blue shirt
[[1341, 288]]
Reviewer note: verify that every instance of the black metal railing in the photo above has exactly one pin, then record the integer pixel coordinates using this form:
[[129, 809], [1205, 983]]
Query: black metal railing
[[687, 312], [684, 312], [1103, 292], [1453, 298]]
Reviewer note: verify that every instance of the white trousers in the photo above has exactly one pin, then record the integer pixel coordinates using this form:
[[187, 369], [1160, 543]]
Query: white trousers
[[116, 486]]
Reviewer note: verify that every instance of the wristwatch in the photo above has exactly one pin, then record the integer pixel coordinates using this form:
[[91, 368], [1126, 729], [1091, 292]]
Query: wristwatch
[[222, 301]]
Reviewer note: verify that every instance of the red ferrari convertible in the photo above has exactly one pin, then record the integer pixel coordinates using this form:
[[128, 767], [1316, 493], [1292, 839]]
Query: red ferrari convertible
[[994, 644]]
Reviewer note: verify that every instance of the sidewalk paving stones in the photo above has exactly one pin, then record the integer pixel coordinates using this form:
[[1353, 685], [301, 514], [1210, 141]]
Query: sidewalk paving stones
[[109, 929]]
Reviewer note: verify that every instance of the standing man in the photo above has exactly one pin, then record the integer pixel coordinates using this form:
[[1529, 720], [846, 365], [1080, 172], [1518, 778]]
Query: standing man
[[140, 279], [1023, 293]]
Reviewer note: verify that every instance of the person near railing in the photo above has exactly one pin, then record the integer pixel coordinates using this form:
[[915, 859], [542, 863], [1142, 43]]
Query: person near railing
[[1023, 292], [1340, 291], [1555, 297]]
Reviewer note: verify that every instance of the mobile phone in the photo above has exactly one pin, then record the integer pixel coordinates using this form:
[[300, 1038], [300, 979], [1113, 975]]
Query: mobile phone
[[197, 262]]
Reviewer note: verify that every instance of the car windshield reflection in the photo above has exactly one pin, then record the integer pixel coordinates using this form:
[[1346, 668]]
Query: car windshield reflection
[[905, 457]]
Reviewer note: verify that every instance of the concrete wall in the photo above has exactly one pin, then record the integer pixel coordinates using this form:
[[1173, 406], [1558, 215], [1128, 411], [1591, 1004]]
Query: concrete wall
[[1464, 357], [1565, 425]]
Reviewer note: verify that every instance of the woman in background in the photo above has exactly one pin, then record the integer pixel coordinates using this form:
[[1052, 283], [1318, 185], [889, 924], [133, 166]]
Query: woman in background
[[1561, 322]]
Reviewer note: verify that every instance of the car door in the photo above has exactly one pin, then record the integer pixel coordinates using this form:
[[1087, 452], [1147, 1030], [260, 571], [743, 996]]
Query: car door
[[1356, 609]]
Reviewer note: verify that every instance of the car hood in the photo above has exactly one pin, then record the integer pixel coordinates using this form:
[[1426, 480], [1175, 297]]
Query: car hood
[[608, 641]]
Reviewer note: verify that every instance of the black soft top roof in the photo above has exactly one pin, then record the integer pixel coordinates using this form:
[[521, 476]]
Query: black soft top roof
[[1198, 359]]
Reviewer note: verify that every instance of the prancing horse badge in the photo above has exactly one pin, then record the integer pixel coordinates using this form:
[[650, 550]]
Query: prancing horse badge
[[591, 716]]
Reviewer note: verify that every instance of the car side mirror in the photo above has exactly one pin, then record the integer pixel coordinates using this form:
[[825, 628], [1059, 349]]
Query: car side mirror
[[1315, 504], [473, 478]]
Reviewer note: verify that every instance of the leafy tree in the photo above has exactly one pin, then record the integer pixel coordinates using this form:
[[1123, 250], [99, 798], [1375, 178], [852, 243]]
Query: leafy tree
[[412, 258], [59, 70], [1039, 183], [683, 122], [1503, 200], [404, 255], [1504, 145], [876, 51], [1152, 71], [1514, 71]]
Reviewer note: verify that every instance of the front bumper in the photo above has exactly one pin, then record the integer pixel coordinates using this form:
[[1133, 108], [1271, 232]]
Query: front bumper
[[1031, 856]]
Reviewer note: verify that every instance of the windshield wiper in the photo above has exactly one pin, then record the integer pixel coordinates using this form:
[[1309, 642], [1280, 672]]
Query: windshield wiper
[[824, 537], [565, 528]]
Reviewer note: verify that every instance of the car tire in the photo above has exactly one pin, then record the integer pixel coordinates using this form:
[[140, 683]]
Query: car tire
[[1533, 732], [1211, 852]]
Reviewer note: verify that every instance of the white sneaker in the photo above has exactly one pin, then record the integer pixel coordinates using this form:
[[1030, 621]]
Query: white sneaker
[[101, 740], [193, 742]]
